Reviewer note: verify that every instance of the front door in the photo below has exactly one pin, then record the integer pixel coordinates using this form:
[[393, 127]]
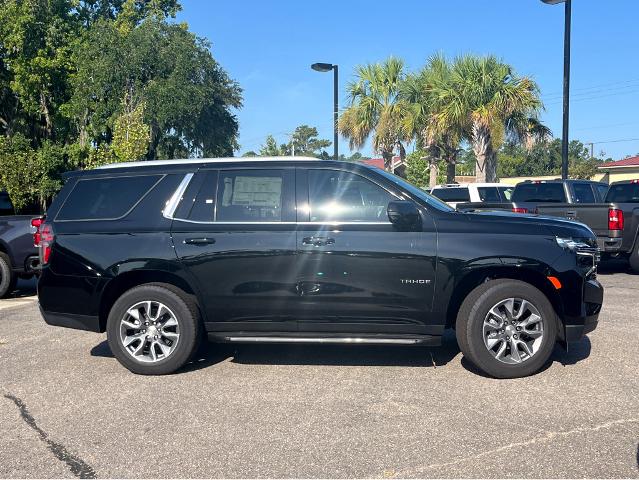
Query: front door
[[358, 274], [235, 233]]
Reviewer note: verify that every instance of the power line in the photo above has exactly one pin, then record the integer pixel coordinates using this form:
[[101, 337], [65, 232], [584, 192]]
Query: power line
[[616, 141]]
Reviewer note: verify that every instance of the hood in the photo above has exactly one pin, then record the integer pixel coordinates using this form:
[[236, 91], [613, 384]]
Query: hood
[[532, 224]]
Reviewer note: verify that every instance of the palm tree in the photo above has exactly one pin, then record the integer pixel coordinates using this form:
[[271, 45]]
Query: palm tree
[[376, 109], [487, 98], [441, 140]]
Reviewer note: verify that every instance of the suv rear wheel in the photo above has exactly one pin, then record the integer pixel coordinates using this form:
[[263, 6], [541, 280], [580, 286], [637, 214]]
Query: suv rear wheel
[[507, 328], [7, 277], [153, 329]]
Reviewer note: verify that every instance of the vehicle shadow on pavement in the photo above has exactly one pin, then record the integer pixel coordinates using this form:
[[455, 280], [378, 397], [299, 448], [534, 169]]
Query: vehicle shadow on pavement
[[610, 267], [344, 355], [348, 355]]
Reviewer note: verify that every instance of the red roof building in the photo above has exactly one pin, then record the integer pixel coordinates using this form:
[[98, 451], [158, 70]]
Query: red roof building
[[398, 165], [626, 162]]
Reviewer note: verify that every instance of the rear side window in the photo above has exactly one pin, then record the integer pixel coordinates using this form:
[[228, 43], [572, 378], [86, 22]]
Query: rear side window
[[250, 196], [488, 194], [106, 198], [452, 194], [539, 192], [602, 189], [506, 193], [623, 193], [583, 193]]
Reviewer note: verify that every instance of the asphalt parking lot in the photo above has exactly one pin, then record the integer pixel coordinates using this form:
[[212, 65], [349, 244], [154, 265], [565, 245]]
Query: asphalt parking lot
[[69, 409]]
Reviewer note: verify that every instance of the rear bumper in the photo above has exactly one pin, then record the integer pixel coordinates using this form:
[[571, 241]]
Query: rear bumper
[[71, 320], [577, 327], [609, 244]]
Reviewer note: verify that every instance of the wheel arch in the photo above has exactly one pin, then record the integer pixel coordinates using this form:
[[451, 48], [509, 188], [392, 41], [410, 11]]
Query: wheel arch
[[476, 277], [127, 280]]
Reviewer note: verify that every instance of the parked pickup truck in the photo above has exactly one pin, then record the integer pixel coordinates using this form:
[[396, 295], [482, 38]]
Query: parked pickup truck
[[615, 222], [614, 218], [529, 195], [18, 255]]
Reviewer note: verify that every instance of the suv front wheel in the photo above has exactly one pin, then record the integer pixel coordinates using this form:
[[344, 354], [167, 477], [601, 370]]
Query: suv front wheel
[[153, 329], [507, 328]]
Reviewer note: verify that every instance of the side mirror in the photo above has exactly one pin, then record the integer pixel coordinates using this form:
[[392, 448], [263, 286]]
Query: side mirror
[[404, 215]]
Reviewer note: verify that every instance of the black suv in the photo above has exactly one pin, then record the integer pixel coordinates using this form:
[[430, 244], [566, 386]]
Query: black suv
[[159, 254]]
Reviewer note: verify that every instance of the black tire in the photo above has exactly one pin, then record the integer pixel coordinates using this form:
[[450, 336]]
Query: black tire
[[633, 259], [470, 320], [8, 279], [187, 316]]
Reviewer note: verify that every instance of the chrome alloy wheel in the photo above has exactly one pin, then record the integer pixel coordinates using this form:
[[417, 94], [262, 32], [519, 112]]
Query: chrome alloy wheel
[[149, 331], [513, 330]]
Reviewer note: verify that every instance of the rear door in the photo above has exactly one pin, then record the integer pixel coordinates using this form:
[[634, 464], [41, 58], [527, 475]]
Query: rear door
[[357, 273], [235, 232]]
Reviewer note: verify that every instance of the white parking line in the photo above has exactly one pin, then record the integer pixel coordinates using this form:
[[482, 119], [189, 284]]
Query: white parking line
[[16, 302]]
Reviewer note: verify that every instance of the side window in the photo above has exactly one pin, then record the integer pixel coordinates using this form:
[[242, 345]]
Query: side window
[[452, 194], [506, 193], [6, 208], [346, 197], [105, 198], [198, 201], [602, 190], [488, 194], [583, 193], [250, 196]]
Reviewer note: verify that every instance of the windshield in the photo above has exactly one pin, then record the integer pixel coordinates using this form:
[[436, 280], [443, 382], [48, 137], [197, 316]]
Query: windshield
[[418, 192]]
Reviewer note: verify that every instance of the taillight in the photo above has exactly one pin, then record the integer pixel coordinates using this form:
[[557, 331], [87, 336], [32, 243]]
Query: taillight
[[615, 219], [520, 210], [46, 241], [35, 223]]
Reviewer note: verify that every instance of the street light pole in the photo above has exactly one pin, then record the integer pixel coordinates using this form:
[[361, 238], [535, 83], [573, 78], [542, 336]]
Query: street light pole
[[566, 102], [327, 67], [335, 117]]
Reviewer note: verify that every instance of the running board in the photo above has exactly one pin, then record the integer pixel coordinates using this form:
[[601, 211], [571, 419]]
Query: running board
[[420, 340]]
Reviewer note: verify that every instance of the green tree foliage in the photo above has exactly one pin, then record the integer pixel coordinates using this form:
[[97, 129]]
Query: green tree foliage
[[544, 158], [27, 174], [65, 66], [418, 169], [131, 135], [376, 109], [303, 141], [188, 96]]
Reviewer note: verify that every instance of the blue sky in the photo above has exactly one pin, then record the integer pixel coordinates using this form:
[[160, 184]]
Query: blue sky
[[268, 46]]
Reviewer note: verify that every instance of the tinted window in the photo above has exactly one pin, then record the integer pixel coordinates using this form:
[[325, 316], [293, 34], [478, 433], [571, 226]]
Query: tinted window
[[250, 196], [488, 194], [106, 198], [453, 194], [623, 193], [417, 192], [346, 197], [539, 192], [602, 189], [583, 193], [506, 193], [202, 203], [6, 208]]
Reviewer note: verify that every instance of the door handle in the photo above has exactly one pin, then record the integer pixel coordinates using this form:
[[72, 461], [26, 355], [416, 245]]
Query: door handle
[[199, 241], [318, 241], [571, 213]]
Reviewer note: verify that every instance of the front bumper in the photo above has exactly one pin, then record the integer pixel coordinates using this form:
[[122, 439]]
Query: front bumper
[[577, 327]]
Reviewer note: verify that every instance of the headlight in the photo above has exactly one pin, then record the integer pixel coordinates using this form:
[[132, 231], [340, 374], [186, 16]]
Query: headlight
[[586, 250], [574, 244]]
